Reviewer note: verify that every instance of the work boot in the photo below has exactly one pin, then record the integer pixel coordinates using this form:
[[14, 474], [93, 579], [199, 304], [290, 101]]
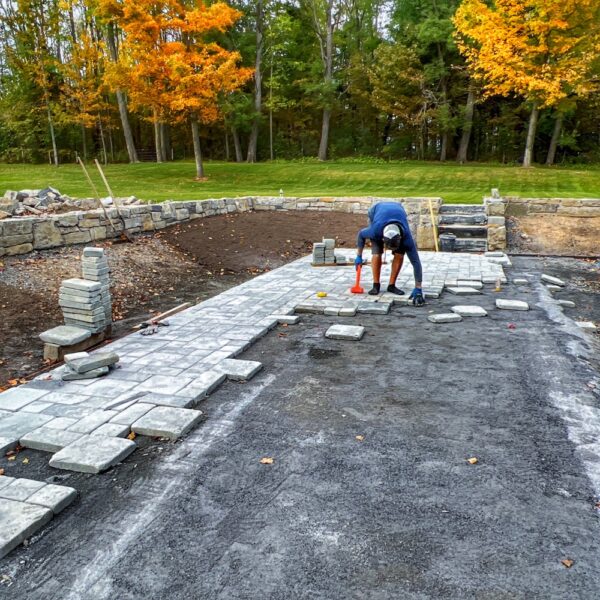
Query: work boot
[[392, 289], [375, 289]]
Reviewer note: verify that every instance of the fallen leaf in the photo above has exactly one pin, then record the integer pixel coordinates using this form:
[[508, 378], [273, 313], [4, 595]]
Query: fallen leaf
[[1, 472], [12, 457], [267, 460], [25, 461], [472, 460], [567, 562], [360, 438], [131, 436]]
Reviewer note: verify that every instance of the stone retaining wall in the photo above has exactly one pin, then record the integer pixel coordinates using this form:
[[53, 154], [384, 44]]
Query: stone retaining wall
[[557, 226], [25, 234]]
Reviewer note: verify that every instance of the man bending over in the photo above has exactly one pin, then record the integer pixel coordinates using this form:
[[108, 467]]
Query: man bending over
[[388, 225]]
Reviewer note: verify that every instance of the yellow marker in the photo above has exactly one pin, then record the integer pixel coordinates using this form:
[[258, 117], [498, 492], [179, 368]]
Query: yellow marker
[[321, 294]]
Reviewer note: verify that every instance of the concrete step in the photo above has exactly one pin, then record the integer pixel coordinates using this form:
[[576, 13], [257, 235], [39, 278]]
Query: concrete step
[[465, 231], [477, 218], [465, 209], [470, 244]]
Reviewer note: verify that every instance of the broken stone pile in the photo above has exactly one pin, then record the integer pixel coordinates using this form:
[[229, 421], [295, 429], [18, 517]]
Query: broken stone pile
[[86, 302], [35, 202]]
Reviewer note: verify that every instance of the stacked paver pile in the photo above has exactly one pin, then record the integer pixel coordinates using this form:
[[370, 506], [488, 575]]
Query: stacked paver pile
[[86, 302], [324, 252]]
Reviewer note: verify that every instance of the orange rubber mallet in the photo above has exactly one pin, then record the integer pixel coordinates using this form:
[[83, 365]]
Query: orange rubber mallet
[[357, 289]]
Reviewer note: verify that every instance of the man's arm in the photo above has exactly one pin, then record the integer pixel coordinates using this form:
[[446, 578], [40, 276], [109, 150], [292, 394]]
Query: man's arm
[[361, 238], [413, 256]]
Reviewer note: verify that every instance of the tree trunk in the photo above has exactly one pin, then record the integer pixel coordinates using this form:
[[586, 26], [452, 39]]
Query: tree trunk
[[158, 139], [165, 142], [554, 140], [528, 158], [253, 141], [271, 153], [197, 149], [444, 148], [328, 76], [52, 137], [101, 129], [237, 145], [121, 100], [226, 145], [465, 138], [324, 134]]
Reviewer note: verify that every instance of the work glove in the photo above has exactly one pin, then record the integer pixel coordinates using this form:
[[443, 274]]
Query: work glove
[[358, 261], [417, 297]]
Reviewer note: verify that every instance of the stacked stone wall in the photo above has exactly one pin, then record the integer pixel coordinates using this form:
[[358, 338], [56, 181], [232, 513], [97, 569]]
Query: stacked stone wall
[[25, 234]]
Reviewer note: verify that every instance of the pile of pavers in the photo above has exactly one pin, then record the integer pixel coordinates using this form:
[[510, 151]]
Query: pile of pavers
[[82, 365], [324, 252], [86, 302]]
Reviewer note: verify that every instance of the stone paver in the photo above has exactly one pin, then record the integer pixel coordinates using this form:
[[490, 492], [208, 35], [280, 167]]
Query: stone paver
[[372, 308], [589, 325], [469, 311], [54, 497], [92, 454], [91, 362], [238, 370], [47, 439], [511, 304], [165, 421], [462, 291], [132, 413], [345, 332], [520, 281], [92, 421], [567, 303], [112, 430], [445, 318], [65, 335], [18, 521], [553, 280], [20, 489], [287, 319], [16, 398]]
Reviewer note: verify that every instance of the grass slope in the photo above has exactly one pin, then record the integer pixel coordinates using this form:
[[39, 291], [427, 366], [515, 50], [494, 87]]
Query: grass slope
[[454, 183]]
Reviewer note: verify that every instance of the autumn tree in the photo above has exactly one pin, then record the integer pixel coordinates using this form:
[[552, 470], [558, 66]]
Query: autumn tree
[[540, 50], [170, 63]]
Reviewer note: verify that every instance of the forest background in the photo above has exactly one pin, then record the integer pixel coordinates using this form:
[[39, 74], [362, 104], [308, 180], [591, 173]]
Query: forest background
[[504, 81]]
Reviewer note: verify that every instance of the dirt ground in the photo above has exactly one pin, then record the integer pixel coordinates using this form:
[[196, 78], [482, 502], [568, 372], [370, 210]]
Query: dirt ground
[[188, 262]]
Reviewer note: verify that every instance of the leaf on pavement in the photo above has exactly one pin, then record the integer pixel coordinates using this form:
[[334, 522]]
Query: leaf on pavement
[[473, 460], [360, 438], [1, 472], [12, 457], [25, 461], [567, 562], [131, 436], [266, 460]]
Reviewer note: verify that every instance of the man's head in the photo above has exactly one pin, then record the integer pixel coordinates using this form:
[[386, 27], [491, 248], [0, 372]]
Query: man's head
[[392, 236]]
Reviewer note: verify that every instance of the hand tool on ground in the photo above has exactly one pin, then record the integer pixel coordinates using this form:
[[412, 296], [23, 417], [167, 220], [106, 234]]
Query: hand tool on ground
[[125, 235], [433, 226], [357, 289], [151, 327], [96, 194]]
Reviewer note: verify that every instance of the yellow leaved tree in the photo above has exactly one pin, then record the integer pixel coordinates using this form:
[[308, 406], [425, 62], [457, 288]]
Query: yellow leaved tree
[[170, 62], [541, 50]]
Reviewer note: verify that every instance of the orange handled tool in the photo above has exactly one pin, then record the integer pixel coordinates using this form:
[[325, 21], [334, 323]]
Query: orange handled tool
[[356, 289]]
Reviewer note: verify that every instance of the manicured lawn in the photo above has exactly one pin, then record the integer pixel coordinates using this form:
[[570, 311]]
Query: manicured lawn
[[175, 181]]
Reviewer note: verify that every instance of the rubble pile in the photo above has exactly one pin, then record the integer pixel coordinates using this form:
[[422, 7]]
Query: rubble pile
[[48, 200]]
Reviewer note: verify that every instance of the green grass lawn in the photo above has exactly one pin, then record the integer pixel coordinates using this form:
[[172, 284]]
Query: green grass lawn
[[454, 183]]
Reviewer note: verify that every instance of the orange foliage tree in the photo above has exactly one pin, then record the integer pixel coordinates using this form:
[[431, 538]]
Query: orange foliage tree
[[541, 50], [170, 62]]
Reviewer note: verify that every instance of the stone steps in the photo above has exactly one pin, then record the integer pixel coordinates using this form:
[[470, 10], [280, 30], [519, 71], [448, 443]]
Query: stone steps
[[471, 244], [464, 231], [468, 224], [465, 209]]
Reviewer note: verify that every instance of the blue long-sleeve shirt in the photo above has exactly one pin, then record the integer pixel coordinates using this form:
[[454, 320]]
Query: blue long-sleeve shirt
[[387, 213]]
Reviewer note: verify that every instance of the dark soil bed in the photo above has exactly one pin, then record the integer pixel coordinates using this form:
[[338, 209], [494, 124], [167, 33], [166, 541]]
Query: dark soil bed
[[187, 262]]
